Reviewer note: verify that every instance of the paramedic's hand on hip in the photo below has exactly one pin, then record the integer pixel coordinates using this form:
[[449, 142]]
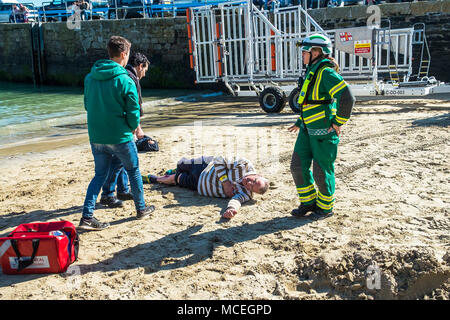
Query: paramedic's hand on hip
[[230, 213], [293, 128], [335, 127]]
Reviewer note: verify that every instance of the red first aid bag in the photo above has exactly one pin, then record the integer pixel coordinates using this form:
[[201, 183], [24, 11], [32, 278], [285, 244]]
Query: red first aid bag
[[42, 247]]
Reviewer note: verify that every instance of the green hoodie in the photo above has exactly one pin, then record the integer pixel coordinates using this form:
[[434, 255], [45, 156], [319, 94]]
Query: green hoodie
[[111, 102]]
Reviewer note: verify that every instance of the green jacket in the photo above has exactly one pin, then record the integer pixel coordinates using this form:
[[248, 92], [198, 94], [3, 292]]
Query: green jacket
[[111, 102], [328, 86]]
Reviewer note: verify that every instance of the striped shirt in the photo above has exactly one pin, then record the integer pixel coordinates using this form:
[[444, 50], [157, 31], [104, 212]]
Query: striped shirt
[[221, 169]]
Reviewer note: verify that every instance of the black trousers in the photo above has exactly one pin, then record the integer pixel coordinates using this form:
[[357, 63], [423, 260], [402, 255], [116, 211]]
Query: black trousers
[[189, 170]]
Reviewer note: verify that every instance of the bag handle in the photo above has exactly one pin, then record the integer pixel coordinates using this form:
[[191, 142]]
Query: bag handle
[[23, 263], [24, 231]]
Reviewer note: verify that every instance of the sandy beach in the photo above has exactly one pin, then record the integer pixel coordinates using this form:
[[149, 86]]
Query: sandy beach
[[392, 211]]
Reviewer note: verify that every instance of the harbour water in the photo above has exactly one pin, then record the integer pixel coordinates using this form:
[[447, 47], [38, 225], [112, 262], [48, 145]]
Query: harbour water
[[28, 112]]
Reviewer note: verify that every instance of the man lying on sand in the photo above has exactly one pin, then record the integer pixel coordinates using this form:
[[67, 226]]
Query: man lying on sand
[[221, 177]]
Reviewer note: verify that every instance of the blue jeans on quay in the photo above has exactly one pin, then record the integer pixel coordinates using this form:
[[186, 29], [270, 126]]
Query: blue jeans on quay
[[117, 175], [103, 158]]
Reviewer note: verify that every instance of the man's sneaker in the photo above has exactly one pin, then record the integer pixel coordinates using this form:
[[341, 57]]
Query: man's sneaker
[[149, 179], [320, 214], [146, 212], [124, 196], [111, 202], [303, 209], [92, 224]]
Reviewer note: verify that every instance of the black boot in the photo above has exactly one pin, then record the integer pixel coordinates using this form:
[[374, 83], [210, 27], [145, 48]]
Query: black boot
[[144, 213], [111, 202], [303, 209], [319, 214], [124, 196]]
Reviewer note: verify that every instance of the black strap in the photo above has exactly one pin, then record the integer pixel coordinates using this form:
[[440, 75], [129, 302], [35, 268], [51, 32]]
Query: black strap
[[74, 241], [23, 263], [328, 101]]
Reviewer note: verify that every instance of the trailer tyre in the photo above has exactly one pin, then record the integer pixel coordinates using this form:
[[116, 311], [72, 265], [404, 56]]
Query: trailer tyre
[[272, 100], [293, 98]]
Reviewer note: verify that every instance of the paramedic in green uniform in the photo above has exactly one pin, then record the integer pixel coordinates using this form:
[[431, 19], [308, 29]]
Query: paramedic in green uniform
[[326, 103]]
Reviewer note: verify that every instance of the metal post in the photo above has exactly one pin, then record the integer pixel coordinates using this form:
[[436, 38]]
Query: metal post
[[143, 7], [14, 13], [249, 37], [65, 5], [45, 16]]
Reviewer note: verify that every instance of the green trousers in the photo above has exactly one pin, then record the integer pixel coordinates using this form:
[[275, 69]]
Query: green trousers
[[321, 151]]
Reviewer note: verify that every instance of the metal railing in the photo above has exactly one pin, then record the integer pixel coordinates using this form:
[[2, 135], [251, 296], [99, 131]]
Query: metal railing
[[30, 15], [242, 46], [119, 11], [58, 14]]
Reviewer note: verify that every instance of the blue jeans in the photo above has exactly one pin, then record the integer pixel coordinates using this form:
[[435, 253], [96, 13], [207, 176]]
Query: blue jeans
[[117, 175], [103, 158]]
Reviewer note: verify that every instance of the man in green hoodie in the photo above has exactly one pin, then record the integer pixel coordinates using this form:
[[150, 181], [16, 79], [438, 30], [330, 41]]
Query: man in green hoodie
[[112, 105]]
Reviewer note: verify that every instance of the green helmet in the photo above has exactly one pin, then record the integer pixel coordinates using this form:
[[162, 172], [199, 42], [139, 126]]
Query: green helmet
[[317, 40]]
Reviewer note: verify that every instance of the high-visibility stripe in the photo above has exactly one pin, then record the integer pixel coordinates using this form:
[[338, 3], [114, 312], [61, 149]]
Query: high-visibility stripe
[[324, 206], [307, 107], [332, 94], [325, 198], [302, 94], [306, 189], [338, 89], [308, 198], [341, 120], [315, 117], [341, 85], [315, 93]]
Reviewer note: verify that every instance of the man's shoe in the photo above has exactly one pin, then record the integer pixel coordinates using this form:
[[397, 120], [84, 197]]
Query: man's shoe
[[303, 209], [319, 214], [92, 224], [149, 179], [146, 212], [124, 196], [111, 202]]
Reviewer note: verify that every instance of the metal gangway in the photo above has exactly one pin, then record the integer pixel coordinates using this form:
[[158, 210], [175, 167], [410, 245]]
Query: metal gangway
[[255, 52]]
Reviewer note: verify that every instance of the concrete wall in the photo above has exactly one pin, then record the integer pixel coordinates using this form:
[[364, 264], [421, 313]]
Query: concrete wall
[[15, 52], [69, 54]]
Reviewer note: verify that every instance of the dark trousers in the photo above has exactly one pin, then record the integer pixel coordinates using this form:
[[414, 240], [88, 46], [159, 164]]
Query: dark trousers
[[189, 170]]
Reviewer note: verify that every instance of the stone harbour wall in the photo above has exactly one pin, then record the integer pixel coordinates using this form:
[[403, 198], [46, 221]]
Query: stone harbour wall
[[68, 54]]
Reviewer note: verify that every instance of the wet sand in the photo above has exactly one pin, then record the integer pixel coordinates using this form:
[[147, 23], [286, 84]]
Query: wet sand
[[391, 214]]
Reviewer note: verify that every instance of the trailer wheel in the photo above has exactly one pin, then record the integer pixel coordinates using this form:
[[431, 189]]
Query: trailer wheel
[[293, 98], [272, 100]]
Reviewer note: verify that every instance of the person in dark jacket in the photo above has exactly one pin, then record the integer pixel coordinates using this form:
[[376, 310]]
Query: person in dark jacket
[[137, 68]]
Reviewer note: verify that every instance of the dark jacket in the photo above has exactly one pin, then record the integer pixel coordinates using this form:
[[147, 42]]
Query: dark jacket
[[133, 75]]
